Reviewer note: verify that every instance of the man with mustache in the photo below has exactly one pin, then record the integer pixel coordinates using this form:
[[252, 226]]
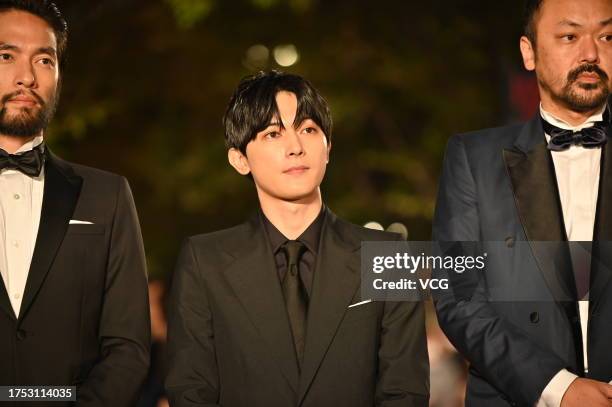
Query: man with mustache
[[548, 180], [269, 312], [73, 293]]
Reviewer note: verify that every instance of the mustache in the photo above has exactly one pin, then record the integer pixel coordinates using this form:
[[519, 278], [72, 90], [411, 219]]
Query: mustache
[[32, 94], [586, 68]]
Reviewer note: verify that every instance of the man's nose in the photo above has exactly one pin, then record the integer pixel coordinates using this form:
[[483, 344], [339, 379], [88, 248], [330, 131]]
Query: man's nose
[[295, 146], [25, 76], [589, 51]]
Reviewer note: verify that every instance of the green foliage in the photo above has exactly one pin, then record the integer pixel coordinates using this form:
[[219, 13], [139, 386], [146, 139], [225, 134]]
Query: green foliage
[[264, 4], [189, 12], [148, 82]]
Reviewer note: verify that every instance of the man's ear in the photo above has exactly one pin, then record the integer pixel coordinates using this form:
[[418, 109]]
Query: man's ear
[[238, 161], [528, 53], [329, 146]]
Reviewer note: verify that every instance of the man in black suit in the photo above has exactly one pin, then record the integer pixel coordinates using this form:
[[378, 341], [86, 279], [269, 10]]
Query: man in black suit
[[268, 313], [73, 294], [548, 180]]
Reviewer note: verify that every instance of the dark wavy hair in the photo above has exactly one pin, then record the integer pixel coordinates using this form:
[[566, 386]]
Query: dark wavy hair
[[50, 13], [253, 106]]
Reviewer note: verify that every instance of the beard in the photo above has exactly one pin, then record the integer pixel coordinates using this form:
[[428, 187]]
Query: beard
[[582, 97], [27, 122]]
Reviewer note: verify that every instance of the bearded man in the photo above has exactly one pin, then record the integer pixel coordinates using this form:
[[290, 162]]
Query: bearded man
[[549, 180], [73, 294]]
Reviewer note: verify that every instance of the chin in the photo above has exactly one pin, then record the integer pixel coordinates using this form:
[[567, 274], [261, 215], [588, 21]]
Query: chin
[[295, 195], [289, 190], [21, 116]]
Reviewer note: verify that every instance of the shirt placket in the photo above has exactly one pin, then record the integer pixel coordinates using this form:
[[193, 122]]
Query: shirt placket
[[17, 231]]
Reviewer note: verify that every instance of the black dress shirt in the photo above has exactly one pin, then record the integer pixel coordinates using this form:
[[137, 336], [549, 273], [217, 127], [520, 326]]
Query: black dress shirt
[[310, 237]]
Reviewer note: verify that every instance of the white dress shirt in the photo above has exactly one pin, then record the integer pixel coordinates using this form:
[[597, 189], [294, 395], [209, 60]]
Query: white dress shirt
[[20, 206], [577, 172]]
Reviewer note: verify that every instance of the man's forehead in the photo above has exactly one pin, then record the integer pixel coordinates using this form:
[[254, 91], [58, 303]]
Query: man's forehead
[[26, 31], [298, 121], [577, 12], [287, 107]]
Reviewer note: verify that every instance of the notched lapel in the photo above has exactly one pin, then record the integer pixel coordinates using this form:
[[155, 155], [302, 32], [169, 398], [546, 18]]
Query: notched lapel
[[61, 192], [601, 270], [532, 175], [336, 280], [5, 302], [255, 281]]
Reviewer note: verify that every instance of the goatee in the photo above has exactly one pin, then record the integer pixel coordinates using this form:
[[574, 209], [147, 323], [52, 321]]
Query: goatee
[[28, 122], [588, 96]]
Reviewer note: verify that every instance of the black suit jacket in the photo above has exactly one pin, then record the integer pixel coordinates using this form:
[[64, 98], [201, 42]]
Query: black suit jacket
[[230, 341], [84, 318], [500, 185]]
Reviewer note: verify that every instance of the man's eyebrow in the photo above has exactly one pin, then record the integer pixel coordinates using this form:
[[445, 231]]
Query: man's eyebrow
[[41, 50], [577, 25], [8, 47], [570, 23], [47, 50]]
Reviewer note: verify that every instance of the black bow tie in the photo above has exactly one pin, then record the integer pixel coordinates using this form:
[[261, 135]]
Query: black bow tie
[[30, 162], [590, 137]]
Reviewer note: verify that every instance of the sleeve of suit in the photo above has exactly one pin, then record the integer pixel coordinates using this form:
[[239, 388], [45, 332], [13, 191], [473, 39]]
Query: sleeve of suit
[[125, 327], [495, 348], [403, 373], [192, 378]]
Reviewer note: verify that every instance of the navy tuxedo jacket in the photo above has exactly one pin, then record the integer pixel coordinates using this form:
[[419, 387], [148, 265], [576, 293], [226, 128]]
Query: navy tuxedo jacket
[[500, 185]]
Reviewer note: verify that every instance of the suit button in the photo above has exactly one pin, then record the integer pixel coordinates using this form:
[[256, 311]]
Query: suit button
[[534, 317], [21, 334], [509, 241]]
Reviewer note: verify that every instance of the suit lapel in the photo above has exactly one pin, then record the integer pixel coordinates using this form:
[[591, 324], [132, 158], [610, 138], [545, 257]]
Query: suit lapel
[[601, 269], [336, 280], [61, 192], [5, 302], [254, 278], [534, 184]]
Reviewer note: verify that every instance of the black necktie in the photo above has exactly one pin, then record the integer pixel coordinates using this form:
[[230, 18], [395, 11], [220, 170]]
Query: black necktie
[[296, 299], [30, 162], [590, 137]]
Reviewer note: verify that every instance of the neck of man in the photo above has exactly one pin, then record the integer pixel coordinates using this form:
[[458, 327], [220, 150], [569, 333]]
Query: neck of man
[[562, 112], [11, 144], [291, 218]]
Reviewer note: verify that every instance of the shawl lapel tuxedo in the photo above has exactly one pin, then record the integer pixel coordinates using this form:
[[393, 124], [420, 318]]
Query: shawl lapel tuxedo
[[230, 340], [500, 185], [84, 317]]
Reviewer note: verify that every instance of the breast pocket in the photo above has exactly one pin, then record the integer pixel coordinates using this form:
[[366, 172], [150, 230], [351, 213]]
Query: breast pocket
[[83, 246], [361, 312], [82, 229]]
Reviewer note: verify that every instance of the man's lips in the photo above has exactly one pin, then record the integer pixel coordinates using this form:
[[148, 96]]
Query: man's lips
[[298, 169], [589, 77], [23, 100]]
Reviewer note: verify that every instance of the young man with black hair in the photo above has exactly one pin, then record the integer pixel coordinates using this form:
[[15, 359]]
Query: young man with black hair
[[73, 292], [548, 180], [268, 313]]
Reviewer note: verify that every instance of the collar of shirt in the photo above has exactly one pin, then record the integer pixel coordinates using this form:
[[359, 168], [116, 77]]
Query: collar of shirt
[[555, 121], [310, 237], [30, 145]]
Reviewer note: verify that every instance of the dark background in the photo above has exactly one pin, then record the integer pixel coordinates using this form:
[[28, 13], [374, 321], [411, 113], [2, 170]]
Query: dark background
[[147, 83]]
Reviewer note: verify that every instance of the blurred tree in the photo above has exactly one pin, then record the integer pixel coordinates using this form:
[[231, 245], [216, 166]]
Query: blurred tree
[[147, 83], [189, 12]]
